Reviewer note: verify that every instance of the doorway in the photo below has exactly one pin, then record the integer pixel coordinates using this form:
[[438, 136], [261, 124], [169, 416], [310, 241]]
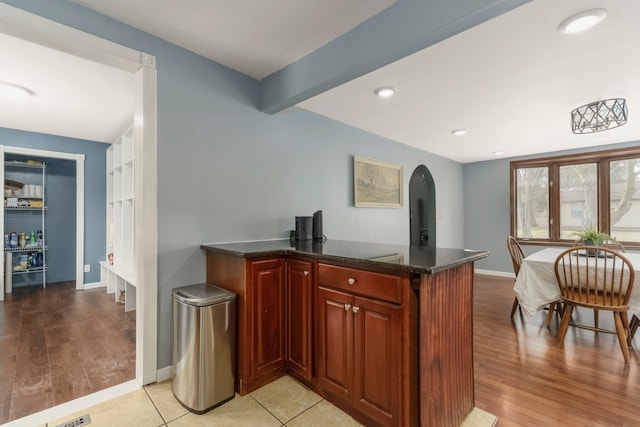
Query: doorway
[[422, 208], [18, 23], [75, 161]]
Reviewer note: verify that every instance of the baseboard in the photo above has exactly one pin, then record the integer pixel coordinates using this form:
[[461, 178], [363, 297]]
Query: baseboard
[[495, 273], [164, 374], [80, 404], [94, 285]]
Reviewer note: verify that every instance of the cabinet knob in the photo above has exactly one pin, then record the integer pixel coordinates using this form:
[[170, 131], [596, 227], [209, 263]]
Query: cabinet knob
[[306, 273], [351, 281], [347, 307], [355, 309]]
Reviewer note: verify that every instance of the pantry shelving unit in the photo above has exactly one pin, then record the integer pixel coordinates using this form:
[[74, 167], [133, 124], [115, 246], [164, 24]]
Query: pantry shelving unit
[[19, 205], [117, 273]]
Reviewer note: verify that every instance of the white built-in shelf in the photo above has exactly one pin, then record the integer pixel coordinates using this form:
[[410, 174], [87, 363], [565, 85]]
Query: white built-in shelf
[[119, 276]]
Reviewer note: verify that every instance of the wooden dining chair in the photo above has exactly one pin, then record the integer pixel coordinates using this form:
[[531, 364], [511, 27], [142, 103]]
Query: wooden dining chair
[[517, 255], [612, 244], [602, 282], [633, 326], [516, 259]]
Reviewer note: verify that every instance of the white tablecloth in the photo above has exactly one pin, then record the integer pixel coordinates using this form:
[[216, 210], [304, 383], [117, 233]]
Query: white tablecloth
[[536, 282]]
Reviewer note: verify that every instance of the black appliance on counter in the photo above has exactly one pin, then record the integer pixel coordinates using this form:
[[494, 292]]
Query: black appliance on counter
[[309, 227], [317, 226], [304, 227]]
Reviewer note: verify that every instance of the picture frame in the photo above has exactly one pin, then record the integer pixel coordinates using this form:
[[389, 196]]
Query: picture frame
[[377, 184]]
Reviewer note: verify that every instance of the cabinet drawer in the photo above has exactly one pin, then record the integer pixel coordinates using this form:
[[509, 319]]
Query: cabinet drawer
[[375, 285]]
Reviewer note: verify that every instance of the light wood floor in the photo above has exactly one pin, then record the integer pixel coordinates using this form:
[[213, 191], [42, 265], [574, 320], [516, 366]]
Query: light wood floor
[[525, 379]]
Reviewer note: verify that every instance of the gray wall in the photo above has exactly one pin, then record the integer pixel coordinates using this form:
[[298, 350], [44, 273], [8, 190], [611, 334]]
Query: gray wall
[[487, 209], [60, 225], [227, 172]]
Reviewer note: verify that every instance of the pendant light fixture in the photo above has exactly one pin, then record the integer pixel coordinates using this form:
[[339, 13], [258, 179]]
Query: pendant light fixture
[[598, 116]]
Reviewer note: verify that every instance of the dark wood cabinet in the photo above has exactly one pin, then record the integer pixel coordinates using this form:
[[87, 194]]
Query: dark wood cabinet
[[377, 373], [268, 310], [335, 327], [360, 344], [344, 332], [381, 342], [299, 317]]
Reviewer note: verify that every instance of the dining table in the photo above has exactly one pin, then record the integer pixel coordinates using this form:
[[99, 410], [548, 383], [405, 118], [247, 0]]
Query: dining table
[[536, 284]]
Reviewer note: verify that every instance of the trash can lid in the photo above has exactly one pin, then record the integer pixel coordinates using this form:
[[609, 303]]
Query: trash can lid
[[202, 294]]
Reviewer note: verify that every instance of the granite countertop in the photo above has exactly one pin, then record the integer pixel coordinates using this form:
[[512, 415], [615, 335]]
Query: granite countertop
[[400, 258]]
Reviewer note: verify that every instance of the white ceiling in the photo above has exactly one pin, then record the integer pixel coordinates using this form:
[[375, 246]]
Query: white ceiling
[[73, 97], [511, 81], [256, 37]]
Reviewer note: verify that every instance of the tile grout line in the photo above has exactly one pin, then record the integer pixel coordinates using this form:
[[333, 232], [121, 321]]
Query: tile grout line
[[315, 404], [266, 409], [155, 406]]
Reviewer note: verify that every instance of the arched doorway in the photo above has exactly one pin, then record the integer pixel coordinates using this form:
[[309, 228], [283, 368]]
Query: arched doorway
[[422, 208]]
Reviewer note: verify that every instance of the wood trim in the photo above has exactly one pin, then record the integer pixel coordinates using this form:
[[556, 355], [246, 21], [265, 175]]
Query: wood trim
[[602, 160], [593, 156], [446, 347]]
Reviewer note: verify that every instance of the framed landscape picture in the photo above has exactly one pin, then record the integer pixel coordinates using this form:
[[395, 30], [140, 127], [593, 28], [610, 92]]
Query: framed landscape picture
[[376, 184]]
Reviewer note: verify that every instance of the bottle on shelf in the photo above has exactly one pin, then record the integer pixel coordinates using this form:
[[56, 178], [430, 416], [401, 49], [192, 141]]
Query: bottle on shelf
[[40, 238], [13, 240], [23, 261], [22, 241], [32, 237]]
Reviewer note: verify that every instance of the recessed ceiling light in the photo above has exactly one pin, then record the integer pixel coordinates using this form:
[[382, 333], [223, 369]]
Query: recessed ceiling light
[[582, 21], [385, 92], [13, 91], [459, 132], [498, 153]]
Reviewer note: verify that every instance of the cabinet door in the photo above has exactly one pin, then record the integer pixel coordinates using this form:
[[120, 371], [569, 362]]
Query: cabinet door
[[335, 324], [377, 349], [299, 314], [268, 316]]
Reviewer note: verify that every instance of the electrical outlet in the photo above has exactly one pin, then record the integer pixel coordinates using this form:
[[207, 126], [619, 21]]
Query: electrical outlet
[[87, 268]]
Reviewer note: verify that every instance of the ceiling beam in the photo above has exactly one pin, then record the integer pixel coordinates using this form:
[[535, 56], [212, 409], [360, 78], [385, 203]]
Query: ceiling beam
[[405, 27]]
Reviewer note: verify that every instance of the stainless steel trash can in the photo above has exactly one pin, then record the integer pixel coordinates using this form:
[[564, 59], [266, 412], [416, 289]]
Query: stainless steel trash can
[[203, 346]]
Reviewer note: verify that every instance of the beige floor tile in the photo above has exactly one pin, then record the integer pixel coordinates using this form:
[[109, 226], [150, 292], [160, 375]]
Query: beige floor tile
[[285, 398], [132, 409], [165, 401], [321, 415], [239, 412], [479, 418]]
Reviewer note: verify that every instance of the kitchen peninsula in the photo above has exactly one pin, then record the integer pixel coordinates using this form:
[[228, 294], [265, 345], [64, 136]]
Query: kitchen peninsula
[[382, 331]]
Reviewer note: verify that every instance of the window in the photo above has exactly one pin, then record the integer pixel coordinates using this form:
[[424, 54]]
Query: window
[[578, 184], [533, 202], [553, 198], [624, 199]]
